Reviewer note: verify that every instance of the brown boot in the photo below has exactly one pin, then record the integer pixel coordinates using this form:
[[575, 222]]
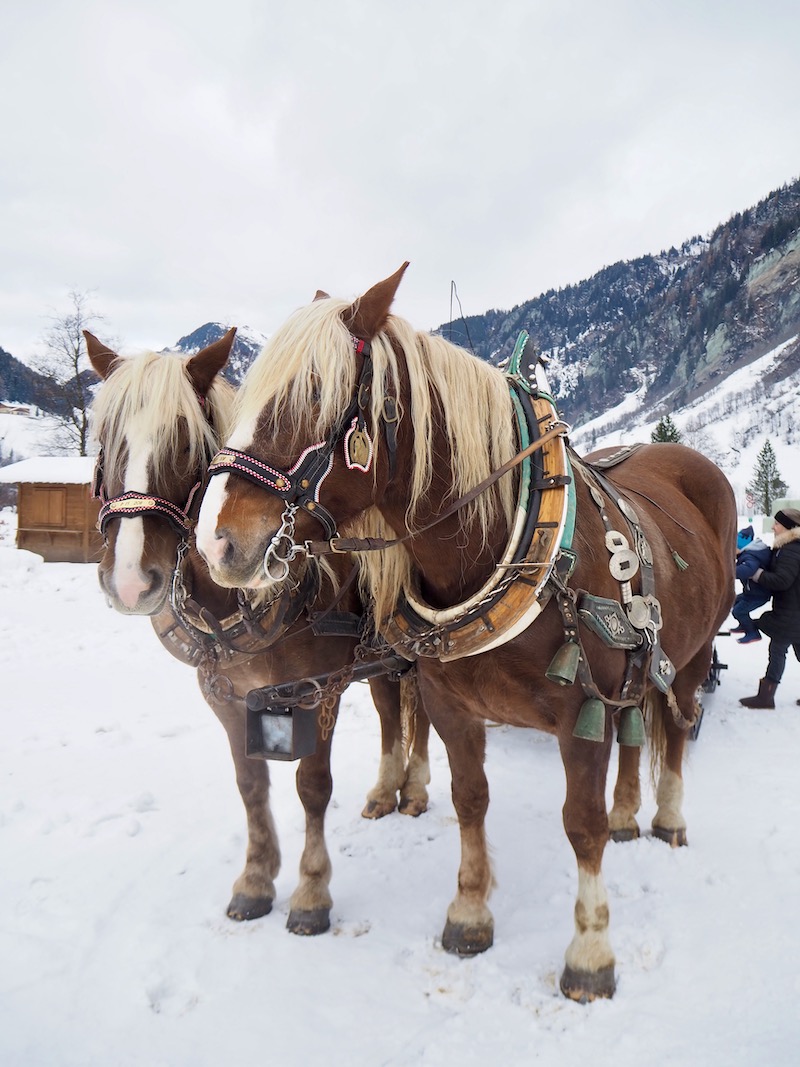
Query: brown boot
[[764, 698]]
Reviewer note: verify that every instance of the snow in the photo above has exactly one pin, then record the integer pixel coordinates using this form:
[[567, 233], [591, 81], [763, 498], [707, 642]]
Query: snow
[[122, 833], [730, 422], [60, 470]]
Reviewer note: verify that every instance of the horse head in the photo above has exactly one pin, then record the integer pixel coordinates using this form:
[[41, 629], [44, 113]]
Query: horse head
[[308, 451], [157, 419]]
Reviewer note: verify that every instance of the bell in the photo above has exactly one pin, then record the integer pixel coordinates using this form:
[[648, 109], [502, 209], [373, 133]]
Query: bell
[[564, 665], [631, 727], [591, 724]]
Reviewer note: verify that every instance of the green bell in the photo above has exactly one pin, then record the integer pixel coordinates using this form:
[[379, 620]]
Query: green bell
[[564, 665], [591, 724], [631, 727]]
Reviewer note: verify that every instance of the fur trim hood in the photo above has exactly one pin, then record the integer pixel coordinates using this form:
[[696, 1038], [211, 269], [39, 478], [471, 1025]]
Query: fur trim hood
[[787, 537]]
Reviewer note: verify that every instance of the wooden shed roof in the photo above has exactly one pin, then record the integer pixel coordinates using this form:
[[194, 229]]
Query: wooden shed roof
[[50, 470]]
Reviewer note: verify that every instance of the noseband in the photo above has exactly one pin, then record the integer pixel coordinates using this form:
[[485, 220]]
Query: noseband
[[299, 486], [133, 504]]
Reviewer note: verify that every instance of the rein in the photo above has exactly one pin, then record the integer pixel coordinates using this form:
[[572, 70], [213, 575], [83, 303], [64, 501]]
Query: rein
[[376, 544]]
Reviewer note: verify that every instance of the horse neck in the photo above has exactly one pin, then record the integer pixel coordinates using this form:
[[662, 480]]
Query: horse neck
[[452, 559]]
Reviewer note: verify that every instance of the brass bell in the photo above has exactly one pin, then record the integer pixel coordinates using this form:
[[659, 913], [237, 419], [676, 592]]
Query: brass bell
[[564, 665], [631, 727], [591, 724]]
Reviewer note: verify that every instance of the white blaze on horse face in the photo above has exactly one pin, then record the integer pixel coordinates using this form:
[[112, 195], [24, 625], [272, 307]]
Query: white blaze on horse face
[[208, 544], [128, 579]]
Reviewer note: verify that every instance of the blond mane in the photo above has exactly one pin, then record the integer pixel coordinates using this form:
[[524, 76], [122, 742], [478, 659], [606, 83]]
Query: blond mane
[[144, 398], [305, 378]]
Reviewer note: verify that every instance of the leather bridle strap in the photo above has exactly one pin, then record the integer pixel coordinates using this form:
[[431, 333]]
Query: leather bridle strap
[[376, 544], [300, 485], [133, 505]]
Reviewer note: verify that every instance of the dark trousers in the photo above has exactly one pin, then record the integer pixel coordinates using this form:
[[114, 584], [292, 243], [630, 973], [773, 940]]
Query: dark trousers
[[743, 605], [777, 658]]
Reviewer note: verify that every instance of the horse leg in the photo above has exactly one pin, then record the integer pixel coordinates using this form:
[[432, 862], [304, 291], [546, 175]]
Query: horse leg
[[413, 791], [311, 902], [469, 928], [403, 723], [254, 889], [589, 969], [668, 822], [622, 823], [382, 798]]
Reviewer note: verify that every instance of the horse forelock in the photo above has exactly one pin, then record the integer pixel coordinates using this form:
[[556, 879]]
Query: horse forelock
[[309, 365], [141, 405]]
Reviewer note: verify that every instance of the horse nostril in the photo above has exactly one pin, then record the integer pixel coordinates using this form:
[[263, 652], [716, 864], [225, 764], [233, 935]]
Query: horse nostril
[[227, 553], [156, 579]]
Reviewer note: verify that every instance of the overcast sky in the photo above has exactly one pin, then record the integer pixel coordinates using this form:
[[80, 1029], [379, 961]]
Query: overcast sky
[[190, 160]]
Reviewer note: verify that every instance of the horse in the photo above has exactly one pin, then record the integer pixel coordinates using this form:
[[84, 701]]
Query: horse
[[543, 618], [158, 418]]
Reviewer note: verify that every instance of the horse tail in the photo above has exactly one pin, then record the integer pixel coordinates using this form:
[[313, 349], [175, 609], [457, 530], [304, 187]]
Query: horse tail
[[409, 704], [655, 709]]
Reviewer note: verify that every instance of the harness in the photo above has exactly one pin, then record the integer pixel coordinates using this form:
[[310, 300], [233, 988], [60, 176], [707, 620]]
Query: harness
[[299, 486], [519, 587], [537, 563]]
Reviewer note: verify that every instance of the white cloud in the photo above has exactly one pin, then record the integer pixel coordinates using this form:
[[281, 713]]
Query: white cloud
[[189, 161]]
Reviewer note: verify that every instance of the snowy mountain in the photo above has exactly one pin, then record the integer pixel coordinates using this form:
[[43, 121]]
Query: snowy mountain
[[246, 347], [651, 336], [729, 422]]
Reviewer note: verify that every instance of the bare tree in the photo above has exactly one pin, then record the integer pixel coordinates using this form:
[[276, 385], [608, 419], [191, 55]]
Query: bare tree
[[65, 361]]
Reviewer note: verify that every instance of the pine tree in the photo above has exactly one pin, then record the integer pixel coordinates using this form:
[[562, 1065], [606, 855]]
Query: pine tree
[[767, 484], [665, 430]]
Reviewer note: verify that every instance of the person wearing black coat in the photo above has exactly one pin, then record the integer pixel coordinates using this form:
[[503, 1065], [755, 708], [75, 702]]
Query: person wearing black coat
[[782, 623]]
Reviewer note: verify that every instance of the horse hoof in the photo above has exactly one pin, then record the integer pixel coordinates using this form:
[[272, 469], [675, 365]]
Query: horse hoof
[[624, 834], [243, 908], [412, 806], [376, 809], [674, 838], [309, 923], [466, 940], [585, 986]]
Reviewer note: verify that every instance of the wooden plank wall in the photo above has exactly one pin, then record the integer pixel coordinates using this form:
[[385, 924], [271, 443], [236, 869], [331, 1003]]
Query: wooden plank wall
[[59, 522]]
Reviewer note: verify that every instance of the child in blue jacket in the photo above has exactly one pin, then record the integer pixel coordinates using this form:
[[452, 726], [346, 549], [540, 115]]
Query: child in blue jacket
[[751, 553]]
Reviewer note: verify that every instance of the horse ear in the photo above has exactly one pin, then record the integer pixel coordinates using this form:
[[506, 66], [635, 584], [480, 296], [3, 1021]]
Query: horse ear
[[100, 356], [367, 316], [206, 365], [320, 295]]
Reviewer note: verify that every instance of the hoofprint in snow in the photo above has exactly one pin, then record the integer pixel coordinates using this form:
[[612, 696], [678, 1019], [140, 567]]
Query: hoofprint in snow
[[122, 831]]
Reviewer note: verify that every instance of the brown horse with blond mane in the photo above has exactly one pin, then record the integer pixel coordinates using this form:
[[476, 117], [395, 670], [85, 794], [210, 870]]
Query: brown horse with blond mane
[[158, 419], [614, 589]]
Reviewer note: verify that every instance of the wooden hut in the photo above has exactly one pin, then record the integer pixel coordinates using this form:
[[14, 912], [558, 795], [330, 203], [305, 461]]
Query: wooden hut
[[56, 515]]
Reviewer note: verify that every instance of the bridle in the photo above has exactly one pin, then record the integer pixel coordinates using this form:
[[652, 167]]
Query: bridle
[[299, 486], [133, 504]]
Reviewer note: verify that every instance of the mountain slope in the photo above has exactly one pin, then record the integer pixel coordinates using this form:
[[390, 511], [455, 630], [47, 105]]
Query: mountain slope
[[667, 327]]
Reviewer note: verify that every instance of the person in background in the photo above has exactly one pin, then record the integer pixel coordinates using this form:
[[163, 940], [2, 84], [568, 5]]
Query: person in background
[[781, 623], [751, 554]]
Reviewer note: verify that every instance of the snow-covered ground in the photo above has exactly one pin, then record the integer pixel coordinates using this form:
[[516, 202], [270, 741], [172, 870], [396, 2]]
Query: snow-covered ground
[[121, 833]]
